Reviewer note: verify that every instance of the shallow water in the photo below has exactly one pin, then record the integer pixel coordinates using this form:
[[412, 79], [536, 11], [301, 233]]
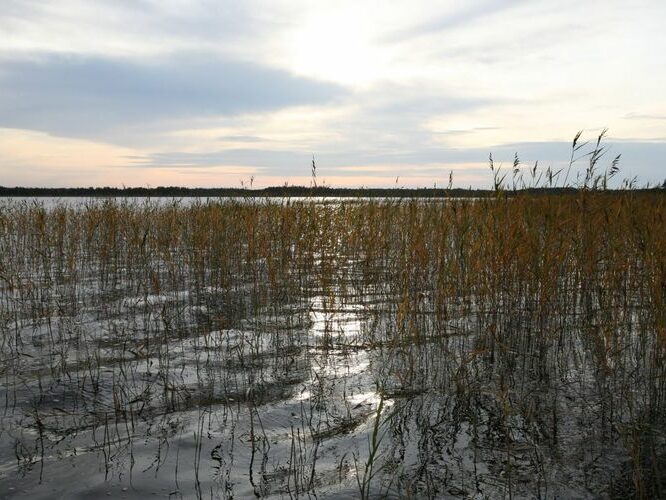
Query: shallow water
[[196, 390], [274, 405], [247, 410]]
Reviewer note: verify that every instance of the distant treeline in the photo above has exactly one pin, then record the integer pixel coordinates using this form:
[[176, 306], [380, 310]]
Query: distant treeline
[[282, 191]]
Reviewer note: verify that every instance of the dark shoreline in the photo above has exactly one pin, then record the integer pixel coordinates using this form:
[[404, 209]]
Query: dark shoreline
[[289, 191]]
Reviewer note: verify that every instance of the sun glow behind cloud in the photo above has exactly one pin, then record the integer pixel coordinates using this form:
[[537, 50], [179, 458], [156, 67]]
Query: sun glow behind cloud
[[335, 44]]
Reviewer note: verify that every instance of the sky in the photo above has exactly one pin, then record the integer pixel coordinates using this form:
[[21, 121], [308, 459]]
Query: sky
[[224, 93]]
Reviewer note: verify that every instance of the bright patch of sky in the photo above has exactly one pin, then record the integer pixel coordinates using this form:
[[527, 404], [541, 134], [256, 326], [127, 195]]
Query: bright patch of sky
[[209, 93]]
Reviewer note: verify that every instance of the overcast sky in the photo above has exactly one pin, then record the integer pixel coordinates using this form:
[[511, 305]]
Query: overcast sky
[[212, 93]]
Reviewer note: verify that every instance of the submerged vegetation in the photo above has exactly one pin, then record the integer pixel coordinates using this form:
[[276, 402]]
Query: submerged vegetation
[[516, 345], [504, 346]]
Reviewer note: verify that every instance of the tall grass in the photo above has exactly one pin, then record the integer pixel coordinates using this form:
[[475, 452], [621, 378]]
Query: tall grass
[[515, 336]]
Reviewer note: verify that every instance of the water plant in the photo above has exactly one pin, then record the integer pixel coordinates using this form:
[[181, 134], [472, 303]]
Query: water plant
[[249, 347]]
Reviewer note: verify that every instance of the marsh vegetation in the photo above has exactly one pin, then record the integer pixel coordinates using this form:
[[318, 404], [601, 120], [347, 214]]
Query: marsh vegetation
[[504, 347]]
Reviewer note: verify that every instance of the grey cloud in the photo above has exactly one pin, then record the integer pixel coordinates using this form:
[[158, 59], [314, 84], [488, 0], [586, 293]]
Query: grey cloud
[[89, 97], [262, 158], [242, 138], [206, 20], [395, 117], [429, 104], [643, 159], [532, 43], [473, 11], [464, 131], [642, 116], [640, 159]]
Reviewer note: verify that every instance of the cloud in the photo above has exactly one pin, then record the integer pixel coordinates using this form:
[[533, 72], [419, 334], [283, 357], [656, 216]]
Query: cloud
[[69, 163], [643, 116], [457, 132], [638, 158], [418, 100], [92, 96], [182, 86], [472, 12], [241, 138], [260, 158], [392, 118], [121, 27]]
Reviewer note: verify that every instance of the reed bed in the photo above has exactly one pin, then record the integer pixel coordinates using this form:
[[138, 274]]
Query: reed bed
[[511, 346]]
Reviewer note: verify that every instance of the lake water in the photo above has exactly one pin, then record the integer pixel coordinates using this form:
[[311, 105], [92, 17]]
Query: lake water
[[151, 357]]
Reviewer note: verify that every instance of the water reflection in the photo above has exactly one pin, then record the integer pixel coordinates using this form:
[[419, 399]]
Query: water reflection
[[339, 386]]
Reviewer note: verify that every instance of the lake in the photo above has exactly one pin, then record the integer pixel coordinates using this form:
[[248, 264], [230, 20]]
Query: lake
[[474, 348]]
